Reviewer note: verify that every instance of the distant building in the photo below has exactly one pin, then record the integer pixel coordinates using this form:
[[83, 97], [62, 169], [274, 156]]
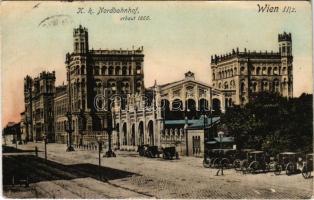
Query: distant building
[[11, 133], [239, 75], [39, 99]]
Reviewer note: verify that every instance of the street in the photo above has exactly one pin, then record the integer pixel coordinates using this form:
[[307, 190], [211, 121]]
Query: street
[[76, 175]]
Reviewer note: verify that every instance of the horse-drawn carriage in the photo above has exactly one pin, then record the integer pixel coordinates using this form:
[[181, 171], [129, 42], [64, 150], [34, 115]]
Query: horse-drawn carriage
[[217, 157], [170, 153], [259, 161], [241, 161], [291, 162], [155, 151], [307, 167]]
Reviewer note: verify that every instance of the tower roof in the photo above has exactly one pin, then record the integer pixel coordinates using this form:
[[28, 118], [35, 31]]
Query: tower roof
[[284, 37]]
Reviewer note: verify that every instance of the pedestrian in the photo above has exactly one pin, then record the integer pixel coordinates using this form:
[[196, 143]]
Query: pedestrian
[[36, 151], [220, 167]]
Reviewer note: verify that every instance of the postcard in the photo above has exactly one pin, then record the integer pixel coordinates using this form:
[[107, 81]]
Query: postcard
[[151, 99]]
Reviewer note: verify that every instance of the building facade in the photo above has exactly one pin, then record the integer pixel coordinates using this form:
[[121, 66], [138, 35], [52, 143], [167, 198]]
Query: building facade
[[39, 99], [60, 110], [98, 73], [161, 115], [239, 75]]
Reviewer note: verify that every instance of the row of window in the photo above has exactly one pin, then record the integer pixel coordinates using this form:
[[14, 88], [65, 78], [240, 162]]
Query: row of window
[[104, 70], [254, 71]]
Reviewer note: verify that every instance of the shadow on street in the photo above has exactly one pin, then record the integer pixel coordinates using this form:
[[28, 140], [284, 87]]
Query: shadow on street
[[37, 169]]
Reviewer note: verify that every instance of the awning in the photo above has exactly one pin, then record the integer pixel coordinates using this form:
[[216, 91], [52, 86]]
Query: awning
[[225, 139]]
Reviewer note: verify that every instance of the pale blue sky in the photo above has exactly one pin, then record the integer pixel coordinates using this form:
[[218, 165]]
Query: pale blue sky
[[180, 36]]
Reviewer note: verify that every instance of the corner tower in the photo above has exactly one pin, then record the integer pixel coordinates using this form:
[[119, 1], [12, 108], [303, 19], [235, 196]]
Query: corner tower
[[80, 37], [286, 70], [285, 44]]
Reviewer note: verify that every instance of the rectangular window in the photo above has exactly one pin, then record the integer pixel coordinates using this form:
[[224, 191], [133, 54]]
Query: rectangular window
[[82, 46], [76, 46]]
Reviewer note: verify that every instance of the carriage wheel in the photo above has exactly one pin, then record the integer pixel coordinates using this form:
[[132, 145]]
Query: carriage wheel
[[215, 163], [206, 162], [151, 155], [237, 164], [244, 166], [211, 162], [305, 172], [225, 163], [253, 167], [289, 169], [278, 169]]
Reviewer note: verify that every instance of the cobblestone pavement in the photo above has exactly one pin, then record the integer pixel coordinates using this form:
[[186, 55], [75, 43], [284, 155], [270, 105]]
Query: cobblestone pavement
[[156, 178]]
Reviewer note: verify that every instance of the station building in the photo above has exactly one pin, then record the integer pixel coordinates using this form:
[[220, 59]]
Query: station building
[[240, 75]]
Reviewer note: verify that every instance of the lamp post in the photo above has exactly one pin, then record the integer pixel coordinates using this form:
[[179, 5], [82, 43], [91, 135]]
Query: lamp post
[[205, 134], [15, 137], [45, 142], [109, 129], [220, 135], [186, 136], [70, 130], [99, 157]]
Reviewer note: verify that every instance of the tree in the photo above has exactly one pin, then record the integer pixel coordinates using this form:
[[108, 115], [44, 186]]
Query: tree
[[273, 123]]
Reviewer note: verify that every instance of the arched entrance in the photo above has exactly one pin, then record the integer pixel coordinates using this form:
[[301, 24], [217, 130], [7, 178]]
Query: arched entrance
[[124, 130], [133, 135], [150, 128], [203, 106], [141, 133], [216, 105], [177, 105], [191, 108], [118, 135], [165, 107]]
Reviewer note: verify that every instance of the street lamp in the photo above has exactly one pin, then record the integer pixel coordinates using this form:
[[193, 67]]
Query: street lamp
[[70, 130], [205, 135], [109, 129], [99, 158], [220, 135], [45, 142]]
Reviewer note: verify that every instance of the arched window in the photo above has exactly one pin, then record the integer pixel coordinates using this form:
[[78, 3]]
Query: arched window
[[264, 86], [226, 85], [235, 71], [284, 70], [276, 86], [203, 105], [269, 70], [124, 70], [103, 70], [254, 87], [242, 70], [83, 69], [177, 105], [96, 70], [165, 107], [253, 70], [117, 70], [289, 70], [213, 76], [110, 70], [242, 88], [258, 71]]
